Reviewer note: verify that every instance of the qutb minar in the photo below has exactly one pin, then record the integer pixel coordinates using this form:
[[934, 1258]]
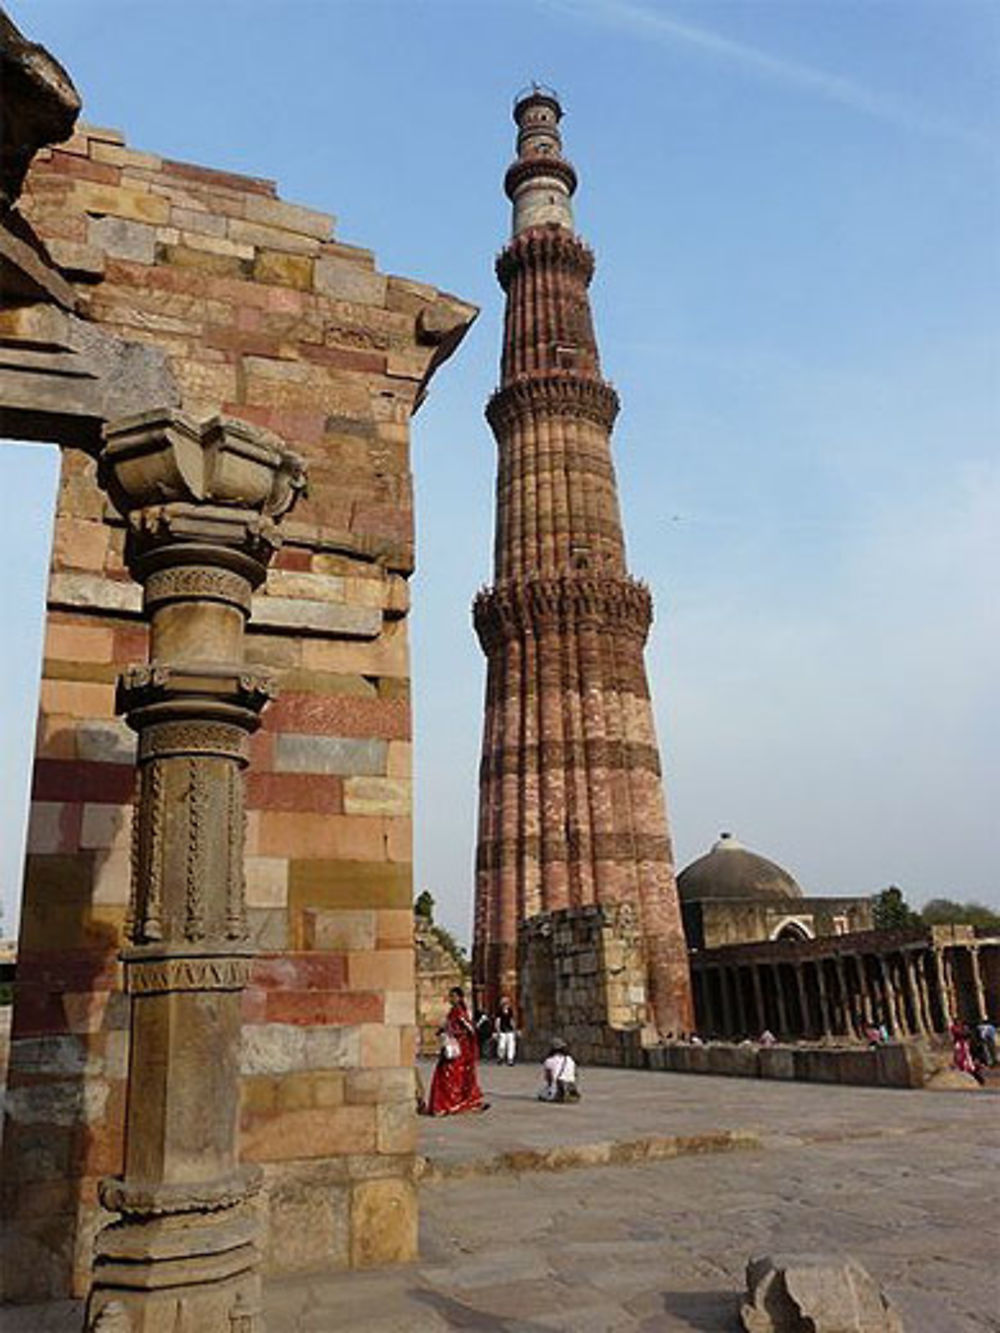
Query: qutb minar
[[572, 811]]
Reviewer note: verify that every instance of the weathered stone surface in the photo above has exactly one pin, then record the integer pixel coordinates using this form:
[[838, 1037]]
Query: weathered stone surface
[[123, 239], [330, 754], [314, 617], [814, 1294], [347, 281]]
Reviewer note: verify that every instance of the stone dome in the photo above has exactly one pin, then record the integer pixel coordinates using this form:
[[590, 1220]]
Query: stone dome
[[731, 871]]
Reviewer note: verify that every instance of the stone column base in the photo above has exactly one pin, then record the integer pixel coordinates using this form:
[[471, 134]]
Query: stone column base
[[182, 1273]]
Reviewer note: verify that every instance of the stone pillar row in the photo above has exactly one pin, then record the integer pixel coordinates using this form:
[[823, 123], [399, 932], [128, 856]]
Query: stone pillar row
[[913, 991], [201, 503]]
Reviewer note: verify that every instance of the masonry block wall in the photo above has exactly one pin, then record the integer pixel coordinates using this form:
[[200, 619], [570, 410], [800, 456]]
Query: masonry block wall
[[266, 318], [582, 974]]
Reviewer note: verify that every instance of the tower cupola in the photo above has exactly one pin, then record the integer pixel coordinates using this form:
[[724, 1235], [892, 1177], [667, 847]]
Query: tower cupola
[[540, 182]]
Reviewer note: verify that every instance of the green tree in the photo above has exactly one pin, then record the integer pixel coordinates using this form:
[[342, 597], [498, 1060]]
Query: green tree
[[424, 906], [947, 912], [891, 911]]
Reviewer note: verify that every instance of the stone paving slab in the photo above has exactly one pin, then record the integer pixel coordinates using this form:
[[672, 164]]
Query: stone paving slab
[[623, 1104], [909, 1182]]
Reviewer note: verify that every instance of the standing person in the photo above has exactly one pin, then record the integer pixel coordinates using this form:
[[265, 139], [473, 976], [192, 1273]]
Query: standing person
[[455, 1086], [988, 1036], [483, 1026], [559, 1073], [505, 1028]]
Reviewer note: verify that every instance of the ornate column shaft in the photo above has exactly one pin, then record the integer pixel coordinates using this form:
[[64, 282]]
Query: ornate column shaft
[[201, 502]]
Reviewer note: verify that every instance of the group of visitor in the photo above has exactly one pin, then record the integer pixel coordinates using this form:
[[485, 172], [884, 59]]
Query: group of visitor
[[464, 1039], [974, 1047]]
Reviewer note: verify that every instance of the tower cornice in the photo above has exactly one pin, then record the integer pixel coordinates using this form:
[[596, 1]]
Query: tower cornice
[[531, 606], [549, 245], [567, 395], [528, 168]]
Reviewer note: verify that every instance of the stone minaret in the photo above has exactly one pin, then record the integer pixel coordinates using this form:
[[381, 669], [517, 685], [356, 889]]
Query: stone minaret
[[571, 802]]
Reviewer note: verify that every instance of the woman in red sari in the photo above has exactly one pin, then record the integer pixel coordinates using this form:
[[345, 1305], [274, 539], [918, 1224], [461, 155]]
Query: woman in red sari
[[455, 1087]]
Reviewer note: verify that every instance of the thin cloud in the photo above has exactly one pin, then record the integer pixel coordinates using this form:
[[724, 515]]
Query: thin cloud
[[641, 21]]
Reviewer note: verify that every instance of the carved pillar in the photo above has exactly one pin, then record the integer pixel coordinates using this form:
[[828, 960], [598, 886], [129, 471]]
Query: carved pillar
[[977, 982], [779, 995], [942, 1004], [803, 999], [741, 1007], [824, 1002], [758, 995], [918, 974], [892, 1010], [727, 1001], [201, 503]]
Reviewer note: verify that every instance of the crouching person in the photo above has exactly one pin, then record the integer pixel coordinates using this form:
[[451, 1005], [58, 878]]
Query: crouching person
[[559, 1073]]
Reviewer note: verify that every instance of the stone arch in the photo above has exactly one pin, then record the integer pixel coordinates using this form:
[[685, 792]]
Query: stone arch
[[792, 928]]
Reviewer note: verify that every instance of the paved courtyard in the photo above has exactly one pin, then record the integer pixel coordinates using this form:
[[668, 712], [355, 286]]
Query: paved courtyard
[[909, 1182]]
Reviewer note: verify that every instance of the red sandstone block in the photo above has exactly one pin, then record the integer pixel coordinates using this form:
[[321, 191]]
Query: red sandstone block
[[344, 358], [78, 643], [77, 698], [300, 971], [243, 341], [131, 644], [340, 715], [261, 752], [69, 164], [77, 780], [326, 1132], [308, 792], [313, 1008], [304, 425], [227, 179], [291, 558], [381, 970], [335, 837], [253, 1005]]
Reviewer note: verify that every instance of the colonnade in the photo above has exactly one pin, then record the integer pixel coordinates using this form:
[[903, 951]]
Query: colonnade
[[837, 988]]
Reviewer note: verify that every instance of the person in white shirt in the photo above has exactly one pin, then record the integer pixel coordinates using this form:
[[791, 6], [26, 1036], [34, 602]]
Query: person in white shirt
[[505, 1030], [559, 1072]]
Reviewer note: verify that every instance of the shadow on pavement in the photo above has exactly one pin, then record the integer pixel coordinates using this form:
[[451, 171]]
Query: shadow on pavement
[[710, 1311]]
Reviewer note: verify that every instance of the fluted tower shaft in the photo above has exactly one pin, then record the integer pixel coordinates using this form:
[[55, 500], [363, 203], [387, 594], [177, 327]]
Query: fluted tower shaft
[[571, 800]]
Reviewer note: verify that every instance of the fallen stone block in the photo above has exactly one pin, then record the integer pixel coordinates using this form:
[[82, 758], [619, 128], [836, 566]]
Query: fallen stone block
[[814, 1293]]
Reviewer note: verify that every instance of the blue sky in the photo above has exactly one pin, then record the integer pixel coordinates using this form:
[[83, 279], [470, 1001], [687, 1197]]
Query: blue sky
[[795, 210]]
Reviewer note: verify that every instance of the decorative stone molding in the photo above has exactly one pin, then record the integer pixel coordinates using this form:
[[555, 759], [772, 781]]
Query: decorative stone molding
[[152, 1200], [518, 173], [529, 397], [519, 607]]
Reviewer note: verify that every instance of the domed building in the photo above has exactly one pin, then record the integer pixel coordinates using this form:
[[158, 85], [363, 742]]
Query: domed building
[[732, 895]]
